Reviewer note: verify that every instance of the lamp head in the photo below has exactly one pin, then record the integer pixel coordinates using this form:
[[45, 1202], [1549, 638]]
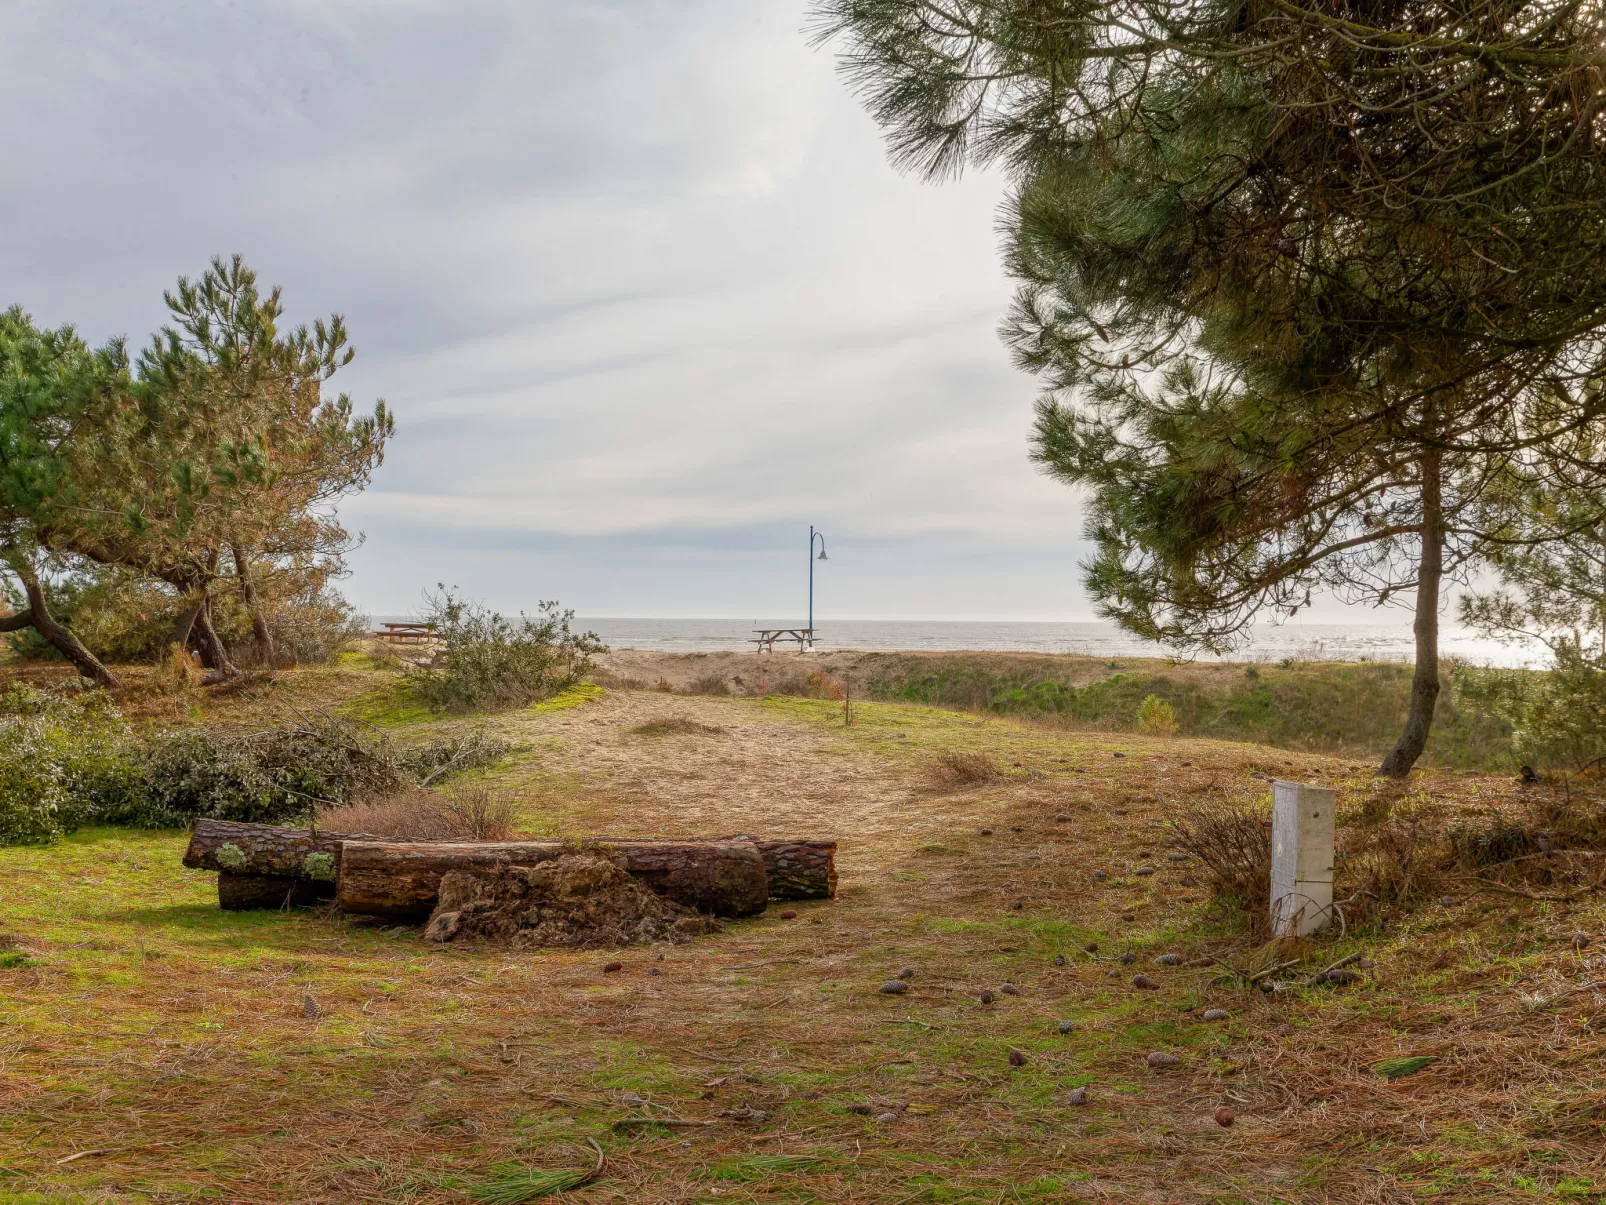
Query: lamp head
[[823, 557]]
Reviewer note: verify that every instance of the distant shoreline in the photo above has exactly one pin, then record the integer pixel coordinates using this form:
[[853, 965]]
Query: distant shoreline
[[1291, 642]]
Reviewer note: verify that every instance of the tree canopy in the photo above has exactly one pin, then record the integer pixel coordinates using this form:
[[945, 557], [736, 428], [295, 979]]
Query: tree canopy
[[215, 450]]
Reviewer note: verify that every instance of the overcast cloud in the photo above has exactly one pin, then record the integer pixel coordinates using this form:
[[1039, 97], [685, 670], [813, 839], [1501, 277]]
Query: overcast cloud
[[636, 278]]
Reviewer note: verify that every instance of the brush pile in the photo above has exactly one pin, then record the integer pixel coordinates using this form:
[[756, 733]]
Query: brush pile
[[581, 900]]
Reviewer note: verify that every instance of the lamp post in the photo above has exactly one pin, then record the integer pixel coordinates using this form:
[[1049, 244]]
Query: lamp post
[[813, 535]]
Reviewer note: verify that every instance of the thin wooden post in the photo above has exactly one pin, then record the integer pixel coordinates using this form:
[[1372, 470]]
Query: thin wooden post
[[1301, 858]]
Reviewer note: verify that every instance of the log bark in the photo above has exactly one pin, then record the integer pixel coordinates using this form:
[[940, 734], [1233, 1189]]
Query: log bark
[[795, 870], [242, 892], [390, 878], [231, 847]]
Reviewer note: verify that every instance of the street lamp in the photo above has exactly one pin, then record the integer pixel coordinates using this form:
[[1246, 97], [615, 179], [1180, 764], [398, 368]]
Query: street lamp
[[813, 535]]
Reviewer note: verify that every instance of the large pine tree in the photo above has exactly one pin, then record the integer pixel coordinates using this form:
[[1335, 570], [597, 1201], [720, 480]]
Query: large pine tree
[[1302, 280]]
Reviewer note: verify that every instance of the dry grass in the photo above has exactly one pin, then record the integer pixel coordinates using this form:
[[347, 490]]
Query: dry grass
[[466, 811], [956, 769]]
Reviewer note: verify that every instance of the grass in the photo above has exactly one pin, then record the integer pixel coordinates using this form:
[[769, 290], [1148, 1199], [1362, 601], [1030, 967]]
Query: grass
[[1328, 706], [173, 1038]]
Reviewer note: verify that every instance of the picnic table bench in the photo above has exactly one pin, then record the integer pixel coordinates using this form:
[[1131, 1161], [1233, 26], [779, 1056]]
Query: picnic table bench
[[765, 638], [408, 633]]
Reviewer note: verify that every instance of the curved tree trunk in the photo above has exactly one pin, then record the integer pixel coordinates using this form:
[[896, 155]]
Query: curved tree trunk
[[184, 624], [253, 606], [1430, 576], [62, 639], [214, 654]]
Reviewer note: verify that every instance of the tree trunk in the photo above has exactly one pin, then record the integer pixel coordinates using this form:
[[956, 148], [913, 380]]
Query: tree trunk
[[1429, 577], [184, 624], [794, 870], [242, 892], [387, 878], [253, 606], [64, 642], [214, 653]]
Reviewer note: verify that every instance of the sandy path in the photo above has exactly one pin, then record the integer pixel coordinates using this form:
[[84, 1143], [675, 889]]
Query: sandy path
[[755, 771]]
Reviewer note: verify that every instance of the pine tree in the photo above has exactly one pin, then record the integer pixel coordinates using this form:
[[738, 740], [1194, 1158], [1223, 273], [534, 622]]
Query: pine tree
[[1302, 282]]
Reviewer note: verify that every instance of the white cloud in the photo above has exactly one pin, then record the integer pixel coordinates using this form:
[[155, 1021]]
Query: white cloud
[[629, 272]]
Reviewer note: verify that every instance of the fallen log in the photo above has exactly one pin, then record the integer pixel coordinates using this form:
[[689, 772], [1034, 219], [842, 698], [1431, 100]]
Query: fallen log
[[231, 847], [796, 870], [242, 892], [402, 879]]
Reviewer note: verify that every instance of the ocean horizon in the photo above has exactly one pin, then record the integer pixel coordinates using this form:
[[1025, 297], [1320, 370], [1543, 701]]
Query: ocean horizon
[[1302, 642]]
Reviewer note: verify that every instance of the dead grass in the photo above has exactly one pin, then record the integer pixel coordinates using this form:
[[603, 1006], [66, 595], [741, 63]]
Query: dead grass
[[955, 769], [467, 811]]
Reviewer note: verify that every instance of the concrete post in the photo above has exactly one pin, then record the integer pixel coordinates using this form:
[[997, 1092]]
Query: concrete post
[[1301, 858]]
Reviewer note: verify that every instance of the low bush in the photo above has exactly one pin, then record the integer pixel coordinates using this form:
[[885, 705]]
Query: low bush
[[709, 684], [63, 759], [68, 759], [1233, 840], [1156, 717], [487, 661]]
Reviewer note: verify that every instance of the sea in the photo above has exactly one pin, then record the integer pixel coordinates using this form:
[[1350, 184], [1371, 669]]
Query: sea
[[1289, 641]]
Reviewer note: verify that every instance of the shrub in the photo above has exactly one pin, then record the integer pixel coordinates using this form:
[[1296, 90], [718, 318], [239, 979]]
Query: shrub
[[63, 758], [266, 777], [709, 684], [1556, 717], [1233, 840], [1156, 717], [486, 660]]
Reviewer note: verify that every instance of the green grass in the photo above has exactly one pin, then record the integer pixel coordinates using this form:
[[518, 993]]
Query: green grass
[[1356, 707], [395, 704]]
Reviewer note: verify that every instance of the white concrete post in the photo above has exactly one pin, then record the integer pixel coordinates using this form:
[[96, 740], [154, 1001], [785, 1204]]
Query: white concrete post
[[1301, 858]]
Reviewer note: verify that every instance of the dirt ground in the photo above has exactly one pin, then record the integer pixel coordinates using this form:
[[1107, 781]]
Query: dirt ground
[[153, 1048]]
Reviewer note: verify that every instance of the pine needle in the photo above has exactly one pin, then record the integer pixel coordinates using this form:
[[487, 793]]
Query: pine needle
[[528, 1186], [1400, 1068]]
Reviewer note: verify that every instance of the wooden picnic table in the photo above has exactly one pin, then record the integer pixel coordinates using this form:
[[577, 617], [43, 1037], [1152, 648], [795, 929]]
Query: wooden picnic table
[[765, 638], [408, 633]]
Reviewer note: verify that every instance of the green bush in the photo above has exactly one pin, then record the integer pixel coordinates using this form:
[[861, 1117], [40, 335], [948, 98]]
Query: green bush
[[63, 759], [269, 776], [1558, 718], [487, 661], [70, 759], [1156, 717]]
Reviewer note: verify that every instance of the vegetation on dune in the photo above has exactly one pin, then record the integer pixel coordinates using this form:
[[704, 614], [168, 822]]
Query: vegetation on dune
[[486, 661], [1333, 706]]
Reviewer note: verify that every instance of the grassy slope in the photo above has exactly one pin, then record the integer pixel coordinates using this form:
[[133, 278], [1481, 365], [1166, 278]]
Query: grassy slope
[[172, 1038]]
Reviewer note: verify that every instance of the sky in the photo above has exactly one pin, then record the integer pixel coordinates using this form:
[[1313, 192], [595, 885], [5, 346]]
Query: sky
[[635, 277]]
